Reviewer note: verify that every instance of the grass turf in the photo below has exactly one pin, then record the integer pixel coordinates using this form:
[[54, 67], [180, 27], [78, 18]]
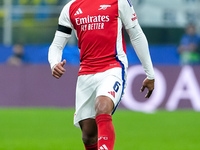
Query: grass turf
[[52, 129]]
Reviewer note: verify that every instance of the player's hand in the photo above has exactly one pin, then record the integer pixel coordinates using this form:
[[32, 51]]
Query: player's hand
[[149, 84], [58, 70]]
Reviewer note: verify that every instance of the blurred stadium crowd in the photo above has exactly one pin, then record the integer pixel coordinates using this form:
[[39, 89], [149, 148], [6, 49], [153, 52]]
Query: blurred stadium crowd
[[32, 24]]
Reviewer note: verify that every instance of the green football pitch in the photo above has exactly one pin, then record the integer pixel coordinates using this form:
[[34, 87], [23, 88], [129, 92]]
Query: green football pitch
[[52, 129]]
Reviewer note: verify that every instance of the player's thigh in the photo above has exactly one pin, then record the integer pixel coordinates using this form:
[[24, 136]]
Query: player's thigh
[[84, 88], [112, 85], [85, 99], [104, 105]]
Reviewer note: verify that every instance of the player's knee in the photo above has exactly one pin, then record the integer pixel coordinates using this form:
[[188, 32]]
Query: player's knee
[[89, 131], [89, 139], [103, 105]]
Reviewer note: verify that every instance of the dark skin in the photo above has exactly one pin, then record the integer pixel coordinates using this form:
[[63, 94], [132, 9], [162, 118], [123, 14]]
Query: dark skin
[[103, 105]]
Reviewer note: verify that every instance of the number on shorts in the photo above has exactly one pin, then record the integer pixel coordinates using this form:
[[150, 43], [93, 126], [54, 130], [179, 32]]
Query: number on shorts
[[116, 86]]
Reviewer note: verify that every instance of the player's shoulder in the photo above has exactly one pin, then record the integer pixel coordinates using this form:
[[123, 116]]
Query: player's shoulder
[[124, 4], [125, 1], [66, 8]]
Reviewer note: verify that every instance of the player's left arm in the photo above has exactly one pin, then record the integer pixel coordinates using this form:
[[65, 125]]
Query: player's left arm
[[139, 42]]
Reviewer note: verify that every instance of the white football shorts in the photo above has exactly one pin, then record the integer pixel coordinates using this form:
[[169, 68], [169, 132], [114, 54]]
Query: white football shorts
[[109, 83]]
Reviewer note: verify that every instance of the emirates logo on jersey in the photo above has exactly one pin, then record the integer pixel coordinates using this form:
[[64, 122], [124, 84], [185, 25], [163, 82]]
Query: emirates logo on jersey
[[92, 22], [92, 19]]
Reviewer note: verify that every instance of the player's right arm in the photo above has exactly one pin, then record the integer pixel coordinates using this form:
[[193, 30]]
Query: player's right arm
[[61, 37]]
